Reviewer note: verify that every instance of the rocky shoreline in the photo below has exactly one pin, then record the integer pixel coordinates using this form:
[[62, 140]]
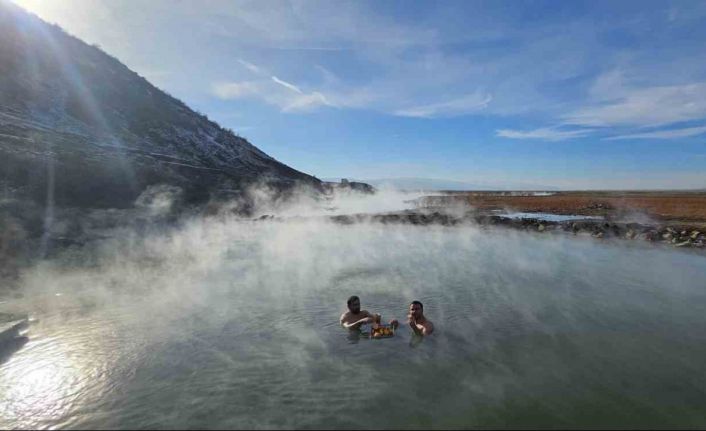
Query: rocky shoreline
[[680, 236]]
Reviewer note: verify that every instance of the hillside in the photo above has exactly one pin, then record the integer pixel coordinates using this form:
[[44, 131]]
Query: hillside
[[81, 129]]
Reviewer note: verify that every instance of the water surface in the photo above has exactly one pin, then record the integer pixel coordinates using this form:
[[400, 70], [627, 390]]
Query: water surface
[[234, 325]]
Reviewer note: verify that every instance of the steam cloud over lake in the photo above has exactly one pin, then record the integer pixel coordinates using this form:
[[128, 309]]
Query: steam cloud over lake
[[228, 323]]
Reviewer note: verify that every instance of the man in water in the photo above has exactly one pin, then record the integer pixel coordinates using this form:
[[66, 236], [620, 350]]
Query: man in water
[[419, 324], [354, 318]]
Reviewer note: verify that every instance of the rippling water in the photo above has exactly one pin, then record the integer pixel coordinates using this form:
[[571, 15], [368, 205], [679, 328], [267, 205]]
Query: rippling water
[[234, 325]]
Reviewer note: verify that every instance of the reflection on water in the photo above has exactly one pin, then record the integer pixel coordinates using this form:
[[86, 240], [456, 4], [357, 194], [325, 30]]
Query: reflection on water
[[236, 326]]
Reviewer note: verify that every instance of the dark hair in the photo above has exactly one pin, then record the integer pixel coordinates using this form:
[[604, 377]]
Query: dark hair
[[419, 304], [351, 299]]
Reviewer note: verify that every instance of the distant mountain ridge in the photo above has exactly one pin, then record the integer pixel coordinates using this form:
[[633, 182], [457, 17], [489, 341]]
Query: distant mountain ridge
[[412, 183], [80, 128]]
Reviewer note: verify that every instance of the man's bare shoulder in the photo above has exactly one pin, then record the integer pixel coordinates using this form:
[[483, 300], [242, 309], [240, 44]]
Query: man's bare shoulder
[[429, 326]]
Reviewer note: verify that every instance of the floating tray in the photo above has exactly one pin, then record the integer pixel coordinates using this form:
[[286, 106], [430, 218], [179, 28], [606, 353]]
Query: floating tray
[[382, 331]]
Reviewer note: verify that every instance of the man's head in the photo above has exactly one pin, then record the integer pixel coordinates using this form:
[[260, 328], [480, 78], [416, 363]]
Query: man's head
[[354, 304], [416, 309]]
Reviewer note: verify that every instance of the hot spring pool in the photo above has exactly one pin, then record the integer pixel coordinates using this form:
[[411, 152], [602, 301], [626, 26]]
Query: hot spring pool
[[235, 325]]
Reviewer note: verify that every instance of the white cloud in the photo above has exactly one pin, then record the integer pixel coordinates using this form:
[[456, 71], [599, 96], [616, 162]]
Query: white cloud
[[287, 85], [305, 102], [546, 134], [397, 68], [664, 134], [287, 97], [644, 107], [235, 90], [251, 67], [403, 67], [609, 86], [464, 105]]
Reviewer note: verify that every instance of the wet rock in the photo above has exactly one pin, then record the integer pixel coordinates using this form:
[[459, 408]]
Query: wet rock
[[610, 230], [647, 236], [587, 228], [343, 219]]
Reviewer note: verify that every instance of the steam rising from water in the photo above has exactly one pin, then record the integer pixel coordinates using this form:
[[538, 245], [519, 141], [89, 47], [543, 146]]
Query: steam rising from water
[[307, 204], [231, 323]]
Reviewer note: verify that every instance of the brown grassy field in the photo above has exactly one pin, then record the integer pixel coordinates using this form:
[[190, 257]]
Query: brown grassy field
[[662, 207]]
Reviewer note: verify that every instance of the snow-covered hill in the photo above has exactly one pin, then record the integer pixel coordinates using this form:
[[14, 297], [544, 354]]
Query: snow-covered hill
[[78, 127]]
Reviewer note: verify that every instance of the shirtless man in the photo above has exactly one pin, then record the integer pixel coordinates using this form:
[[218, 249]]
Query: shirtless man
[[355, 317], [419, 324]]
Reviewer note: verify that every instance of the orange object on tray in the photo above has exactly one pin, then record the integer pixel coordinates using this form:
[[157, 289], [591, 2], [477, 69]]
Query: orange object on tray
[[382, 331]]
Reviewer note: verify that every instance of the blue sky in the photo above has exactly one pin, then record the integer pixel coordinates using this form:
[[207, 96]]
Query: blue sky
[[565, 94]]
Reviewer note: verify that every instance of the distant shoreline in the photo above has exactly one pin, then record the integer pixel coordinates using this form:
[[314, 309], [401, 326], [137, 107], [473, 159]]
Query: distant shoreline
[[681, 207], [674, 218], [674, 235]]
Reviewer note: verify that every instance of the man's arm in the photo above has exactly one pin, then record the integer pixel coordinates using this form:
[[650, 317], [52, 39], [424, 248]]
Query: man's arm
[[417, 328], [355, 325], [427, 328]]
